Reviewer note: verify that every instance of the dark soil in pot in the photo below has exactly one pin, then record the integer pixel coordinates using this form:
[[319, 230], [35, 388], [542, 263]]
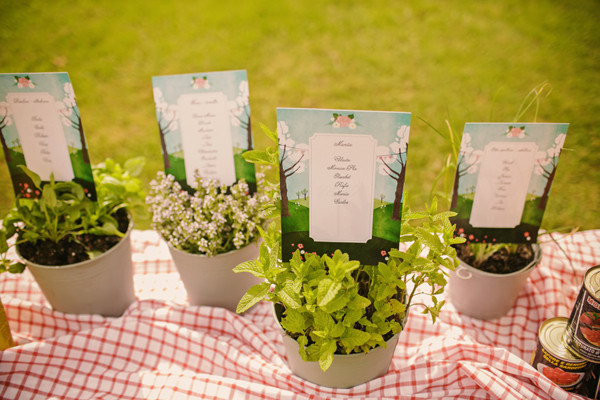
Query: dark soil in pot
[[501, 262], [68, 251]]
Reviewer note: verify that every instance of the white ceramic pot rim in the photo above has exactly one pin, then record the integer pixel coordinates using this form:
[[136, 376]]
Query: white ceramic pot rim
[[469, 270], [175, 249], [81, 263]]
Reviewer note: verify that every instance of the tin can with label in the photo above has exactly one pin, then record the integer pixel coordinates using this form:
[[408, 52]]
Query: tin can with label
[[582, 335], [6, 339], [554, 360], [591, 383]]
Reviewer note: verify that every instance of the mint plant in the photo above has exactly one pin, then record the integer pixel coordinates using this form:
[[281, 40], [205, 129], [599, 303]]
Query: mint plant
[[64, 212], [334, 305]]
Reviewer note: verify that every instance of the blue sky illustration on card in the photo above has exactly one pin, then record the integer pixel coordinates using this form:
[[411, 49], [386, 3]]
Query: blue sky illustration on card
[[342, 180], [204, 126], [40, 128], [503, 180]]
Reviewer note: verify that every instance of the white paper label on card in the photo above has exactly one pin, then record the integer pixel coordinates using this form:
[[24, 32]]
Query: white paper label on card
[[342, 176], [206, 137], [502, 184], [41, 135]]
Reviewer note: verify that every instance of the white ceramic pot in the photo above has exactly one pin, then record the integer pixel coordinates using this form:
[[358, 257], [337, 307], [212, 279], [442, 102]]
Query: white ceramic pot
[[103, 285], [346, 370], [484, 295], [210, 281]]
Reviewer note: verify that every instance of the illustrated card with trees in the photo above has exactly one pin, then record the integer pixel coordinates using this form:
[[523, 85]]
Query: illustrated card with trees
[[40, 128], [204, 126], [503, 179], [342, 179]]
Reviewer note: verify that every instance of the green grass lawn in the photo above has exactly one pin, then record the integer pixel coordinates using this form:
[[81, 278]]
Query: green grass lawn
[[438, 60]]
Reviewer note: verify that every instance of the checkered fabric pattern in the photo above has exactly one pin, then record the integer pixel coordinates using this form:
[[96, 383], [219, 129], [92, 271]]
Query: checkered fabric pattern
[[162, 348]]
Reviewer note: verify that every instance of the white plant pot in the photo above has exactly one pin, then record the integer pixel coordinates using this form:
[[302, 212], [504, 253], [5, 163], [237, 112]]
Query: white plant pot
[[484, 295], [346, 370], [103, 285], [210, 281]]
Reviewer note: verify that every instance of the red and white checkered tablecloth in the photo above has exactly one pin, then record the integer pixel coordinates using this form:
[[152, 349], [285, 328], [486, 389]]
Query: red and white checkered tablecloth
[[162, 348]]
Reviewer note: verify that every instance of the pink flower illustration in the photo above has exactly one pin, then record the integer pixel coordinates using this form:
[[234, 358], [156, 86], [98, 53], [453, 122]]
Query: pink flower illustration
[[343, 121], [515, 132], [200, 83], [300, 246], [383, 253], [24, 82]]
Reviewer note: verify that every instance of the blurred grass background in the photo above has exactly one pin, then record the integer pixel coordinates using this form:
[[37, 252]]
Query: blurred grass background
[[453, 60]]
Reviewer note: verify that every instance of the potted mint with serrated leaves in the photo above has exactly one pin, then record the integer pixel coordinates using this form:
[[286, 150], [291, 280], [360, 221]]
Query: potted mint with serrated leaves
[[341, 319], [77, 249]]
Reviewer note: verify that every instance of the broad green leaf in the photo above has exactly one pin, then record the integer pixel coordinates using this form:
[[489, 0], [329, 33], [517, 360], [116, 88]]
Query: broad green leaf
[[257, 157], [293, 321], [326, 291], [289, 298], [35, 178], [135, 165], [49, 196], [338, 303], [326, 354], [359, 303], [354, 338], [323, 322], [252, 266], [255, 294]]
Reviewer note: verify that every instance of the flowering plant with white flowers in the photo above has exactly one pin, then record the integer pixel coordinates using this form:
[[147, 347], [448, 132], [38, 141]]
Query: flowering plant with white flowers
[[214, 219]]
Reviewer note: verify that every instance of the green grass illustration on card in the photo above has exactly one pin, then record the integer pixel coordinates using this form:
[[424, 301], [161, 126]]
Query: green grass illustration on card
[[41, 129], [503, 179], [204, 126], [342, 180]]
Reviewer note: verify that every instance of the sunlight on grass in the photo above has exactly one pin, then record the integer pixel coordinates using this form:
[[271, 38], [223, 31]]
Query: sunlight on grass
[[436, 60]]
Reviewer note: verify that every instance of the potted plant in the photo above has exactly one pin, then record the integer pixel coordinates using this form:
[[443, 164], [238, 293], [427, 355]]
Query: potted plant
[[340, 320], [208, 232], [490, 275], [489, 278], [78, 250]]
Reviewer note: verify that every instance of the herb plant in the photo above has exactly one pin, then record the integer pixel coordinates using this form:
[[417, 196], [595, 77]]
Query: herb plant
[[214, 219], [478, 251], [64, 212], [336, 305]]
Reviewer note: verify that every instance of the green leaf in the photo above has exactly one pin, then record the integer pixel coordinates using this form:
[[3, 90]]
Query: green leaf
[[293, 321], [327, 290], [257, 157], [354, 338], [359, 303], [255, 294], [32, 175], [326, 354], [252, 266], [271, 134], [49, 196], [288, 297], [135, 165]]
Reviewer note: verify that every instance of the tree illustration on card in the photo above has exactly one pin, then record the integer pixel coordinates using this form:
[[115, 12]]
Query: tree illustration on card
[[393, 164], [503, 180], [336, 169], [204, 126], [41, 128], [292, 159]]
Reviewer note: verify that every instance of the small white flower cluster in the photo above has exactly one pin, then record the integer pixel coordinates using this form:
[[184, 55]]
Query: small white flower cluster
[[214, 219]]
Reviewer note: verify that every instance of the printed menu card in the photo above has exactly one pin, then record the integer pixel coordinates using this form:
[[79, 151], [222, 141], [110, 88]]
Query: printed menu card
[[40, 128], [503, 179], [204, 124], [342, 179]]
